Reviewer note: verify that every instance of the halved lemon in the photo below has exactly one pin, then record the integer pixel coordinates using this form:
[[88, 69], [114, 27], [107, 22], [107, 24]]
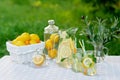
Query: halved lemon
[[88, 62], [38, 60]]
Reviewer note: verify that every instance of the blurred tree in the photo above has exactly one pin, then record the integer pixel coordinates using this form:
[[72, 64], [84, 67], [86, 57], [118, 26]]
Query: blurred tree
[[107, 6]]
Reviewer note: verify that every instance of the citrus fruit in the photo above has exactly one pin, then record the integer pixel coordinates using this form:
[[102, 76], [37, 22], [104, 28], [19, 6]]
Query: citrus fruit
[[19, 38], [38, 41], [25, 36], [19, 43], [52, 53], [88, 62], [27, 42], [72, 46], [26, 39], [75, 50], [34, 37], [54, 37], [49, 44], [14, 41], [38, 60], [64, 50], [33, 42]]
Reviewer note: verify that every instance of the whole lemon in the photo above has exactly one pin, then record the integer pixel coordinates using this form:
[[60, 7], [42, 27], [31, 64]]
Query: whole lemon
[[52, 53], [14, 41], [27, 42], [19, 43], [34, 37], [25, 36], [19, 38], [49, 44], [33, 42], [54, 37]]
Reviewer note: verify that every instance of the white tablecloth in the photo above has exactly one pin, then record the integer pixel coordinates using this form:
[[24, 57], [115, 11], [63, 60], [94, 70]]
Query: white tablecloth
[[107, 70]]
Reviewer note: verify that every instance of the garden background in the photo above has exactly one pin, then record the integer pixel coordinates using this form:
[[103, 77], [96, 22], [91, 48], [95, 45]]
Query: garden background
[[18, 16]]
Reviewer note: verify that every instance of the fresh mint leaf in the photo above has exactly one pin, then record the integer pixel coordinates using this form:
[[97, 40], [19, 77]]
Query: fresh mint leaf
[[63, 59]]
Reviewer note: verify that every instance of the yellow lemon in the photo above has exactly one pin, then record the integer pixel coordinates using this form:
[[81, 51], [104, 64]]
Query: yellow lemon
[[52, 53], [33, 42], [38, 60], [25, 36], [14, 41], [27, 42], [64, 50], [54, 37], [19, 43], [74, 50], [72, 46], [19, 38], [49, 44], [34, 37]]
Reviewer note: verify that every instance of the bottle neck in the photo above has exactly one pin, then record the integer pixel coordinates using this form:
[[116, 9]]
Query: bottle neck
[[51, 25], [51, 28]]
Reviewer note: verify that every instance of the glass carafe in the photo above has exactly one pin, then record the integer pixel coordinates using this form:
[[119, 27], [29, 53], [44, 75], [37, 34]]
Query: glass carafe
[[66, 49]]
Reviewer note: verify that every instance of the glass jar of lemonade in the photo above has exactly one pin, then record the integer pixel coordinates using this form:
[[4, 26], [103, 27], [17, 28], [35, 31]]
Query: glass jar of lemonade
[[51, 38], [66, 49]]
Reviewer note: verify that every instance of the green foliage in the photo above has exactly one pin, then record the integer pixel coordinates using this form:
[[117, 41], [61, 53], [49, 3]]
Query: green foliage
[[21, 2], [18, 16], [99, 35], [107, 6]]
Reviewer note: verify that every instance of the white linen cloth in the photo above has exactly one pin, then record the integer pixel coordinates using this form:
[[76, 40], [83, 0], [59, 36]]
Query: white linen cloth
[[107, 70]]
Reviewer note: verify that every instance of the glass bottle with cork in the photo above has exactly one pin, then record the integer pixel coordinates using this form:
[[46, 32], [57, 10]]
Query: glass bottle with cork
[[51, 38]]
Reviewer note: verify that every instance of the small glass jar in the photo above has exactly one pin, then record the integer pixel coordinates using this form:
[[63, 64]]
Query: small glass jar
[[50, 29], [51, 38], [77, 64], [90, 71], [89, 64]]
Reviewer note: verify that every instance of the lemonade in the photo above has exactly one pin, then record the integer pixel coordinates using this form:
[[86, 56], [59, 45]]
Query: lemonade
[[49, 44], [66, 50], [89, 66], [51, 38], [54, 37], [52, 53]]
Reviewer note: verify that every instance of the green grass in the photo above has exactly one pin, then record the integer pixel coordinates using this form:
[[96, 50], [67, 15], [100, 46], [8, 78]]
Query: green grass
[[16, 19]]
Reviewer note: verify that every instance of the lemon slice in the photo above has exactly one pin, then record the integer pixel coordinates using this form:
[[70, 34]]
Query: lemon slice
[[64, 50], [72, 45], [88, 62], [38, 60]]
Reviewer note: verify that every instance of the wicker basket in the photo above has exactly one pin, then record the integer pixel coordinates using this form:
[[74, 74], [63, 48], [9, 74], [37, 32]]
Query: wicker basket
[[23, 54]]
